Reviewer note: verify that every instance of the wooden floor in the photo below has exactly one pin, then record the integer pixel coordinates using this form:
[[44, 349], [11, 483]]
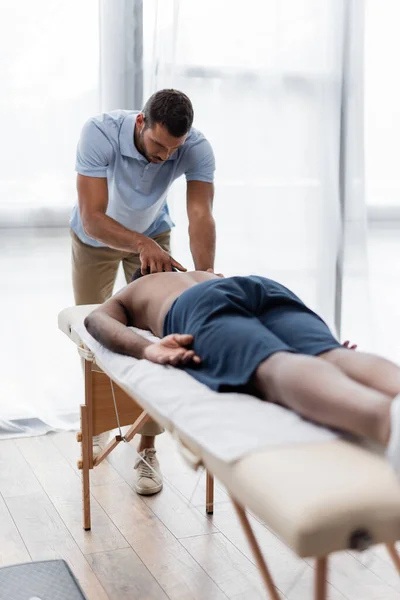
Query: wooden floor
[[158, 547]]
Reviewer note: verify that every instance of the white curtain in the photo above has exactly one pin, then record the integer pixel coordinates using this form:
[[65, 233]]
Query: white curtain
[[353, 293], [121, 62], [49, 64], [382, 114], [277, 88], [382, 182]]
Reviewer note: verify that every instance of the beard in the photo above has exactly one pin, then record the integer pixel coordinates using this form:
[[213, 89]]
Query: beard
[[142, 147]]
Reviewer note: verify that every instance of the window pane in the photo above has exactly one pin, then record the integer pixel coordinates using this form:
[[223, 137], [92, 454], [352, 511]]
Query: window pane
[[382, 102], [49, 63]]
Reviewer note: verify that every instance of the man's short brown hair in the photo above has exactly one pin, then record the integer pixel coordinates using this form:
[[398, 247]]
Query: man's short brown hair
[[169, 108]]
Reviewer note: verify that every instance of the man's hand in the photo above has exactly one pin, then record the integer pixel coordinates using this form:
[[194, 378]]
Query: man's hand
[[172, 350], [346, 344], [152, 256], [217, 274]]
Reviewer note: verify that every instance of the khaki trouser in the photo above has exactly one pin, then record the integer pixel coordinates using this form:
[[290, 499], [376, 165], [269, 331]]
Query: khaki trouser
[[94, 271]]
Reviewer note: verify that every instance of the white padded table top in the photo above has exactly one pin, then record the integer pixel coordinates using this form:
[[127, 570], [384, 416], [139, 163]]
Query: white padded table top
[[72, 317], [317, 495]]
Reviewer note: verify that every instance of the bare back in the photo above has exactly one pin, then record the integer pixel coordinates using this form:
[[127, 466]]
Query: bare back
[[148, 299]]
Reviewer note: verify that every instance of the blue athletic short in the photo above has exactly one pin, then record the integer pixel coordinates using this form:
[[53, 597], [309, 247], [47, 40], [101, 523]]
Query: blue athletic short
[[238, 322]]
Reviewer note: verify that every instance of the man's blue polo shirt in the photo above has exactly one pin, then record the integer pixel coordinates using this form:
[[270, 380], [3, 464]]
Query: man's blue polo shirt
[[137, 189]]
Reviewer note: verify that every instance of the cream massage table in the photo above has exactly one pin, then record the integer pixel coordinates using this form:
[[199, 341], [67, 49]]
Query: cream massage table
[[318, 492]]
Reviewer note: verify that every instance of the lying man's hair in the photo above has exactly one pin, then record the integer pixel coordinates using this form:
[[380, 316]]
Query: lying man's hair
[[138, 273]]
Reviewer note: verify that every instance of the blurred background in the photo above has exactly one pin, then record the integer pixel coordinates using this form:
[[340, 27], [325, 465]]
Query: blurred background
[[299, 99]]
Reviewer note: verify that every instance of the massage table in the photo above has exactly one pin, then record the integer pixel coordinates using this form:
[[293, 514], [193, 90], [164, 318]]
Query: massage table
[[318, 491]]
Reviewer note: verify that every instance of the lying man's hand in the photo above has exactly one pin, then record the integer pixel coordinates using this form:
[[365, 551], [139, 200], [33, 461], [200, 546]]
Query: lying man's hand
[[152, 256], [346, 344], [172, 350]]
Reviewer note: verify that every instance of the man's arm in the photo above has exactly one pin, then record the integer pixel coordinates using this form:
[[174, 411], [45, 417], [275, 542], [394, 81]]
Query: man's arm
[[202, 234], [108, 325], [93, 201], [93, 156]]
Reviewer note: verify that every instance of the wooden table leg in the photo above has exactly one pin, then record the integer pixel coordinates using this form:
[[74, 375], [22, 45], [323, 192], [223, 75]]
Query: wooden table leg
[[209, 493]]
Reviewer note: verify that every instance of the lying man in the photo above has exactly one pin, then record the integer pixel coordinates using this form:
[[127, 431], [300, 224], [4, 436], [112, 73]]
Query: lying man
[[252, 334]]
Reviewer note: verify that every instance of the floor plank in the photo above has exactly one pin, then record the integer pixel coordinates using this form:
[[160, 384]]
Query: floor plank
[[124, 577], [377, 560], [46, 537], [177, 572], [354, 579], [63, 486], [235, 574], [180, 517], [285, 566], [303, 588], [16, 477], [12, 547]]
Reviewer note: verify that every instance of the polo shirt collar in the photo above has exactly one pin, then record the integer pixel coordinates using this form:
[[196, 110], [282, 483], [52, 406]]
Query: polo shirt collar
[[126, 143]]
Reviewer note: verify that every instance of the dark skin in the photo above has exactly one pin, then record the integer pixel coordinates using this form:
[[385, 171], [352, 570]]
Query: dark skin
[[144, 304], [156, 145]]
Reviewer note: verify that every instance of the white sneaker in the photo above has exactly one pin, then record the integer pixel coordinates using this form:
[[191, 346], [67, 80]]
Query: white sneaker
[[148, 475], [393, 447], [99, 442]]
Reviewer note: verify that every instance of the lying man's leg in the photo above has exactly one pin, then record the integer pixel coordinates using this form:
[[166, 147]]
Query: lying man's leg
[[321, 392], [323, 381], [370, 370]]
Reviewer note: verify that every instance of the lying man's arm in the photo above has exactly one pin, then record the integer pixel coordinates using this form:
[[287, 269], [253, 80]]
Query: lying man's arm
[[108, 324]]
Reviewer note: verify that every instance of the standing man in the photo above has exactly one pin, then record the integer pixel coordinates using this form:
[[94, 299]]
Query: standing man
[[126, 163]]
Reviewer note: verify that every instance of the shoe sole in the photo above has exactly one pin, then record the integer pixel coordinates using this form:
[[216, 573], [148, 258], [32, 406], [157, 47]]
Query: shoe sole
[[147, 492]]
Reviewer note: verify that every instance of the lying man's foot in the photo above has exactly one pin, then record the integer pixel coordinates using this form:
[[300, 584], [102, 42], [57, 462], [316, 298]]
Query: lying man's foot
[[148, 475], [99, 442]]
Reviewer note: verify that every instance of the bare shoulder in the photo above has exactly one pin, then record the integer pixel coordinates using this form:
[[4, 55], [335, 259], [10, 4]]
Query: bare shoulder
[[121, 303], [127, 294]]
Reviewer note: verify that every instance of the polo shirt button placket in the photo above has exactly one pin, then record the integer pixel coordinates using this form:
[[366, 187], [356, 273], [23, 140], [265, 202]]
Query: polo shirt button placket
[[146, 178]]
